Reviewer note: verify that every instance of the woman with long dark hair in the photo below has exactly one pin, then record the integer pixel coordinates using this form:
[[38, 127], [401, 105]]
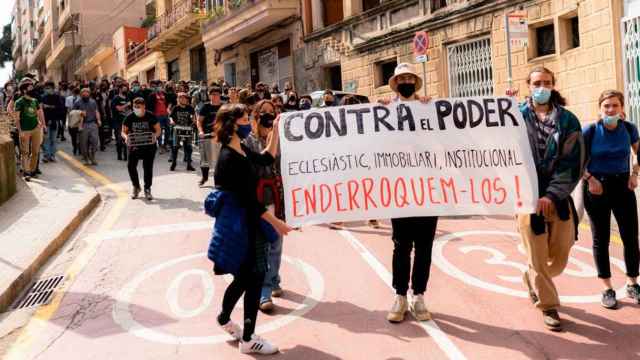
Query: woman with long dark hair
[[235, 205]]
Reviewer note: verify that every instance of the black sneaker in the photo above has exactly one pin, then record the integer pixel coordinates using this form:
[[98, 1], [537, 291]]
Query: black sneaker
[[633, 292], [173, 167], [135, 193], [147, 194], [552, 320], [609, 299], [190, 168], [27, 177]]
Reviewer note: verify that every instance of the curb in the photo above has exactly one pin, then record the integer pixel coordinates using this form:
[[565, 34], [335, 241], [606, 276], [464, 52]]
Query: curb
[[21, 282]]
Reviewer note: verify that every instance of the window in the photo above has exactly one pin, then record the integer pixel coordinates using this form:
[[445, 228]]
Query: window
[[384, 72], [174, 70], [544, 40], [332, 12], [470, 69], [438, 4], [230, 74], [369, 4], [569, 32], [198, 64], [333, 76]]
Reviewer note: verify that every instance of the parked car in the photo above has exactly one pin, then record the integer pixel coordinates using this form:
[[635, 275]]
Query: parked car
[[316, 97]]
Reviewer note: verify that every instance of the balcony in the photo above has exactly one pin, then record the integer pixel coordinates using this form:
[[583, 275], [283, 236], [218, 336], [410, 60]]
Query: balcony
[[245, 18], [40, 50], [62, 50], [178, 24], [137, 53], [20, 63], [65, 15], [95, 53]]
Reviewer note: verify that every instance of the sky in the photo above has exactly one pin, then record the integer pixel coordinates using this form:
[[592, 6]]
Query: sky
[[5, 18]]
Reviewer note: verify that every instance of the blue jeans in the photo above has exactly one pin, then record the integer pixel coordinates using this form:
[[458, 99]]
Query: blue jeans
[[50, 140], [272, 277]]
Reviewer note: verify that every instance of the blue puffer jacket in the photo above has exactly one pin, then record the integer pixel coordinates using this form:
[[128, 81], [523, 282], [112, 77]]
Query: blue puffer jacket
[[230, 238]]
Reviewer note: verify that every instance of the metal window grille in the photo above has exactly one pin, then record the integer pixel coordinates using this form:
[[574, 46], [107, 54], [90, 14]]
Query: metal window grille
[[470, 68], [631, 65]]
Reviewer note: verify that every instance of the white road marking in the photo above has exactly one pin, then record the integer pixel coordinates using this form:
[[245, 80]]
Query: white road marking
[[123, 317], [441, 262], [431, 327], [173, 293]]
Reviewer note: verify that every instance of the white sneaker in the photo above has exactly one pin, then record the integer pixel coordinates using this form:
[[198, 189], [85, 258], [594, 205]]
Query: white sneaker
[[232, 329], [257, 345], [398, 310], [419, 309]]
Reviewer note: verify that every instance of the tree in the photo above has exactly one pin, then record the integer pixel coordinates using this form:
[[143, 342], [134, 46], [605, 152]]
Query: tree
[[6, 44]]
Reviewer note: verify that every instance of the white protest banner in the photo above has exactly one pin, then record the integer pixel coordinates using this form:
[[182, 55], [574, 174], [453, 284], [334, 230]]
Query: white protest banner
[[466, 156]]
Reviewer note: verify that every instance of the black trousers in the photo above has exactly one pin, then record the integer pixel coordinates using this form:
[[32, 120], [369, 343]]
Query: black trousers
[[408, 234], [73, 132], [147, 154], [616, 198], [247, 282], [121, 148]]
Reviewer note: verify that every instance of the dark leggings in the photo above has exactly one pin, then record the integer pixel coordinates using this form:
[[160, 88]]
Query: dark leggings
[[616, 198], [249, 283], [410, 233]]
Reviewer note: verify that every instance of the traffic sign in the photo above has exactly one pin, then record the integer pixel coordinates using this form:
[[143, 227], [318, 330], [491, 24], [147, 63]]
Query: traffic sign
[[518, 29], [421, 59], [420, 43]]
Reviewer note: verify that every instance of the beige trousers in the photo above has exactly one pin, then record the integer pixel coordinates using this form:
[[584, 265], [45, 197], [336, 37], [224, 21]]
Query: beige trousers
[[547, 255], [30, 142]]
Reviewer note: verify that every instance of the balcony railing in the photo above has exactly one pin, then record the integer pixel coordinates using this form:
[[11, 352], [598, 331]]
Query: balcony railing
[[104, 40], [175, 14], [138, 52]]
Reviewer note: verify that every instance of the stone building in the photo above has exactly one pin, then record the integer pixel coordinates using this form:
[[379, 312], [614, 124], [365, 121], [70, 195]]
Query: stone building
[[173, 49], [255, 41], [356, 44]]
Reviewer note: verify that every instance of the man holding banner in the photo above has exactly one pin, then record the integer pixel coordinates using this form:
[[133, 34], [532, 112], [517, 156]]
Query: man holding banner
[[558, 150], [410, 232], [409, 161]]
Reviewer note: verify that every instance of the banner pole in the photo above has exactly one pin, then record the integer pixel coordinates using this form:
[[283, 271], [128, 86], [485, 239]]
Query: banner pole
[[424, 76], [509, 66]]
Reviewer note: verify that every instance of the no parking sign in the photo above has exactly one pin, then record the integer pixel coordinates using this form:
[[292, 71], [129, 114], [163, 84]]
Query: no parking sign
[[420, 46]]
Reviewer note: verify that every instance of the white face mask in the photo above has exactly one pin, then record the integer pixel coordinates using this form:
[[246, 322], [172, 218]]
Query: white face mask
[[138, 112]]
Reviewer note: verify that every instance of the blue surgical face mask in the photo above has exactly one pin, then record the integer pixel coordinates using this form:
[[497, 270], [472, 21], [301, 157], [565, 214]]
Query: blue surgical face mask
[[243, 131], [611, 120], [541, 95]]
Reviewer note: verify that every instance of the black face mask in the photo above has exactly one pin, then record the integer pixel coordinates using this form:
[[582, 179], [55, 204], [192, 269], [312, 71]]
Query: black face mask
[[32, 93], [266, 120], [85, 98], [406, 90]]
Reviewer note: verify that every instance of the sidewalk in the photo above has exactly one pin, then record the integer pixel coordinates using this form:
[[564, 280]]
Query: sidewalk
[[37, 221]]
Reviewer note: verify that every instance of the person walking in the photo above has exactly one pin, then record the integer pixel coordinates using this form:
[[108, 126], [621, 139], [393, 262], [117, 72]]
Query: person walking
[[140, 131], [609, 184], [557, 145], [235, 205], [120, 108], [182, 121], [73, 120], [209, 148], [29, 120], [54, 110], [158, 105], [271, 194], [89, 126]]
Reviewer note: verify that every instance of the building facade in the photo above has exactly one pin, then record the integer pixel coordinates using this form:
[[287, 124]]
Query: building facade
[[356, 44], [255, 41], [56, 37], [173, 48]]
